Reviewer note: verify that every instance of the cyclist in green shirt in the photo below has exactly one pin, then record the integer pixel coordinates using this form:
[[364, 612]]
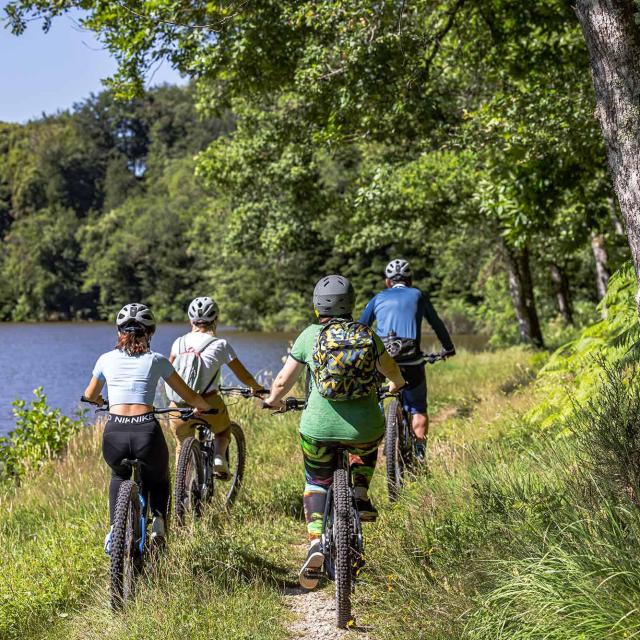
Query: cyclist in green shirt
[[357, 422]]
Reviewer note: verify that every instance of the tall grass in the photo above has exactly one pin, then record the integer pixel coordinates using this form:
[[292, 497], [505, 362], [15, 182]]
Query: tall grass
[[510, 534], [225, 576], [519, 536]]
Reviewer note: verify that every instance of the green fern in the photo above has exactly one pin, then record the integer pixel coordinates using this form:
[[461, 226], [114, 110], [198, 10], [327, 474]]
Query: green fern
[[574, 370]]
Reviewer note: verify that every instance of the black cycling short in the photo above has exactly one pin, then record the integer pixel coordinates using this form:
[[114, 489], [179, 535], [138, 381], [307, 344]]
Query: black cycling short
[[414, 395], [138, 437]]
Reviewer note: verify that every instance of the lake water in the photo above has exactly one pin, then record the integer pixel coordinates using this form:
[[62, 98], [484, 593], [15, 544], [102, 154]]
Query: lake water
[[60, 356]]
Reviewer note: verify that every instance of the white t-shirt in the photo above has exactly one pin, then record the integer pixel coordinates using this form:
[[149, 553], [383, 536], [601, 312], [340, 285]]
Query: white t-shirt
[[219, 352]]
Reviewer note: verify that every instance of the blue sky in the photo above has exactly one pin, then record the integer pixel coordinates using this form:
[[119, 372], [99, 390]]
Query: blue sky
[[49, 72]]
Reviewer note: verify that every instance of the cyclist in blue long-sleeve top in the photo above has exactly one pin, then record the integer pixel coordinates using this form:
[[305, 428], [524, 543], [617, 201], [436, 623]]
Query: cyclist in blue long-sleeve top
[[397, 312]]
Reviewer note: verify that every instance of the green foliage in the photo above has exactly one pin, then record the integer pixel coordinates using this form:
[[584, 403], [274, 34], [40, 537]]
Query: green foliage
[[330, 137], [576, 367], [41, 434]]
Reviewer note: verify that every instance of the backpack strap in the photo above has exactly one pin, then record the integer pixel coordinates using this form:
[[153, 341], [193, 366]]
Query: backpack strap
[[209, 342]]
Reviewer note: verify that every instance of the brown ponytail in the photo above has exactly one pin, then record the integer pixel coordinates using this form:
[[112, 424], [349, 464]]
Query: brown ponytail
[[133, 344]]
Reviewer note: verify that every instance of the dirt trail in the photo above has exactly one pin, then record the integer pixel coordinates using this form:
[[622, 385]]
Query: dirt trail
[[315, 613]]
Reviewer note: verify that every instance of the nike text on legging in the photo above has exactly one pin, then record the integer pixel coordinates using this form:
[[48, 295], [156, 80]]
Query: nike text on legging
[[320, 461], [137, 437]]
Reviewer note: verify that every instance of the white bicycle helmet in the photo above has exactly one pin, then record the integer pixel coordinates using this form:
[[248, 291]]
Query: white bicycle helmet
[[135, 314], [398, 269], [203, 309]]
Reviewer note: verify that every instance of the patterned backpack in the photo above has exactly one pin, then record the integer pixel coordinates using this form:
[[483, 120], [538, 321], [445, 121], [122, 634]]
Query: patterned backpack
[[344, 359]]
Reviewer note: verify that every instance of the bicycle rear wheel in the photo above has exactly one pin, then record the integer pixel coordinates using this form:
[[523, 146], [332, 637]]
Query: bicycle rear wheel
[[393, 449], [189, 482], [125, 538], [227, 490], [342, 529]]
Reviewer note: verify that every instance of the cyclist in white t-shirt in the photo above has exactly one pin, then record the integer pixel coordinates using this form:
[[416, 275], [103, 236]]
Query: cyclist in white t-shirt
[[203, 314]]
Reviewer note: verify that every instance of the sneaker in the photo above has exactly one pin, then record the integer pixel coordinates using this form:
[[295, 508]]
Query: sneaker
[[308, 575], [421, 451], [366, 510], [221, 467], [107, 542], [158, 533]]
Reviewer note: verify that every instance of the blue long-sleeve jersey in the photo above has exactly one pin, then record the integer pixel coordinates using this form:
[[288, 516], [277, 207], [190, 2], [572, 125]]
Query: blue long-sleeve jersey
[[400, 309]]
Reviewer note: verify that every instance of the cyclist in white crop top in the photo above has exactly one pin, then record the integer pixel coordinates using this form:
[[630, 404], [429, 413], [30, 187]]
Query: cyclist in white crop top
[[131, 372]]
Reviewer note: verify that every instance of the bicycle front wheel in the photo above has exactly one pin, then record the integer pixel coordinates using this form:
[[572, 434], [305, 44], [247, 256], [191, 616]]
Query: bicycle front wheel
[[125, 538], [393, 449], [189, 482], [342, 528]]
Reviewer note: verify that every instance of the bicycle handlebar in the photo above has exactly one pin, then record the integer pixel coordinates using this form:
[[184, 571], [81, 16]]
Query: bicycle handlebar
[[430, 358], [100, 407], [245, 392], [186, 413], [289, 404]]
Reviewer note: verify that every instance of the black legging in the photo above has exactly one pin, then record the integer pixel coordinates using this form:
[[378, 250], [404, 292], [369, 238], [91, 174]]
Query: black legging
[[138, 437]]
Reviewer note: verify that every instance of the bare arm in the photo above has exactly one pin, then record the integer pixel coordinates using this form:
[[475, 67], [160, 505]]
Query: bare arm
[[92, 392], [172, 358], [243, 375], [389, 368], [187, 394], [284, 381]]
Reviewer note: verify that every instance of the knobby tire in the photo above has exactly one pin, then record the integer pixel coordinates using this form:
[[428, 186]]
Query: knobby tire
[[189, 481], [393, 449], [125, 555], [342, 527]]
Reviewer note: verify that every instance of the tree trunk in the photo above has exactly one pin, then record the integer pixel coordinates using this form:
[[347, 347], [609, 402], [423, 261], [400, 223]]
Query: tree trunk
[[613, 42], [561, 290], [521, 289], [600, 256]]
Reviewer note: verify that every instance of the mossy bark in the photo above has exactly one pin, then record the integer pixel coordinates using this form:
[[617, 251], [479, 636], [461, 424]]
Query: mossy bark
[[613, 41]]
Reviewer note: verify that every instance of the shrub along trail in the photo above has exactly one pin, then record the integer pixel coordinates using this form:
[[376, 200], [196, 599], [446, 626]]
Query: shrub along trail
[[236, 575]]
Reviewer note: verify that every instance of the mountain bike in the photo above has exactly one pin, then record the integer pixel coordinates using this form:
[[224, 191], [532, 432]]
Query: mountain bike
[[399, 439], [196, 481], [342, 542], [129, 535]]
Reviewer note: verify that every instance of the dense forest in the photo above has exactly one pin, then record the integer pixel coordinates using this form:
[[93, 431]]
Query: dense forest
[[460, 136]]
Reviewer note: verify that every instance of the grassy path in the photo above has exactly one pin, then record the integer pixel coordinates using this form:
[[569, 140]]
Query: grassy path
[[230, 575]]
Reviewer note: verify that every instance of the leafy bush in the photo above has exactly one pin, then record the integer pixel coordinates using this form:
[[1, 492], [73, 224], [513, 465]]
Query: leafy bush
[[41, 433]]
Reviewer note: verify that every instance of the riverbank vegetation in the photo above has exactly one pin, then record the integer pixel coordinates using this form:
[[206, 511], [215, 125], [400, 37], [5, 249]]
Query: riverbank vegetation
[[458, 135]]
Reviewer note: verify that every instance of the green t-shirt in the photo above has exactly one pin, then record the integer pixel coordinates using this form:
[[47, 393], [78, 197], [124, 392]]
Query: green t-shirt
[[358, 421]]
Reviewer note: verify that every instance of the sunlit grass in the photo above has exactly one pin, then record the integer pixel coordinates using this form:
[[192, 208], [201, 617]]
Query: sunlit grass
[[510, 534]]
